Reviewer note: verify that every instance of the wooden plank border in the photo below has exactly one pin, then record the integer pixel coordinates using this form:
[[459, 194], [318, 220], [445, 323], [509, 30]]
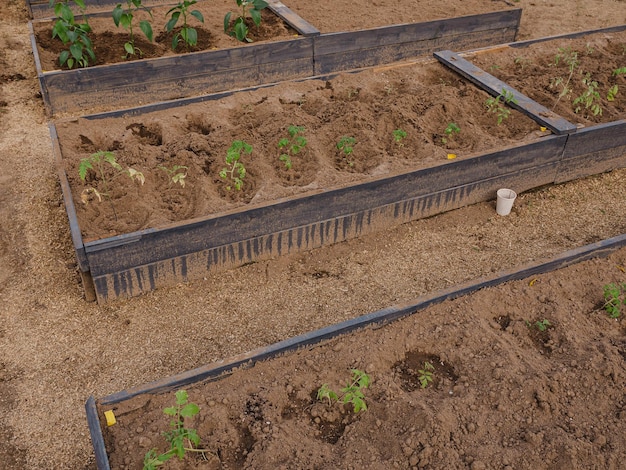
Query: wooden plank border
[[220, 369], [356, 49], [593, 150], [495, 87]]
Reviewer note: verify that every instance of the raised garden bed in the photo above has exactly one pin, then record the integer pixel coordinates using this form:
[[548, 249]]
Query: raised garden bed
[[327, 196], [260, 410], [137, 82]]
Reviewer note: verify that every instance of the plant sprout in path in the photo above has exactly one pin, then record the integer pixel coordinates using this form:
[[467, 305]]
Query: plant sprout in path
[[180, 438], [292, 145], [124, 17], [239, 29], [352, 393], [188, 34], [235, 170], [498, 104]]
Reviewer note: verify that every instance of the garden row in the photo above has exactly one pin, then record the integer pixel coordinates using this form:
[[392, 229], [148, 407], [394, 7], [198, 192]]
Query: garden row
[[412, 367], [207, 59], [365, 150]]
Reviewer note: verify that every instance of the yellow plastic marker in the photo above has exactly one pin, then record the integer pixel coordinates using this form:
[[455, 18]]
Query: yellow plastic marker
[[531, 283], [451, 156], [110, 417], [543, 129]]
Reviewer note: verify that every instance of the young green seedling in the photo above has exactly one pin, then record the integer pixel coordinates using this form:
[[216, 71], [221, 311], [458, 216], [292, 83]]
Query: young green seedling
[[239, 29], [613, 302], [542, 325], [80, 51], [124, 17], [352, 393], [188, 34], [498, 104], [570, 58], [346, 146], [612, 93], [292, 145], [398, 136], [426, 374], [620, 71], [235, 171], [176, 174], [449, 132], [180, 438], [97, 162], [590, 98]]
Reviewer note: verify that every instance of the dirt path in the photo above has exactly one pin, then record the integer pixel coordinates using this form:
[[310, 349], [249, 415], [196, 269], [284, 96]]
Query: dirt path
[[56, 349]]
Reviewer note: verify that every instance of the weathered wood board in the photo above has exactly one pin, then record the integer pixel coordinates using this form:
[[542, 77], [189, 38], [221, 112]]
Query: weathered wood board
[[356, 49]]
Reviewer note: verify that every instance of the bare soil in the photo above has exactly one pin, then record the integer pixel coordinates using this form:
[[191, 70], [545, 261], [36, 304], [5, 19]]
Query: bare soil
[[56, 349]]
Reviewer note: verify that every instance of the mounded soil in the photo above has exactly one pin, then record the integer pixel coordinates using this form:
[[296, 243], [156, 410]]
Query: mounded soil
[[56, 349]]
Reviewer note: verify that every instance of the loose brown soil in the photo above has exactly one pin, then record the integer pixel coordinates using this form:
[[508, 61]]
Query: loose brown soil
[[56, 349]]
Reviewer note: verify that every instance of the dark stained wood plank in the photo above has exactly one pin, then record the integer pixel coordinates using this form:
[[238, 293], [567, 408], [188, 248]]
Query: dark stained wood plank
[[593, 150], [153, 80], [292, 19], [356, 49], [495, 87]]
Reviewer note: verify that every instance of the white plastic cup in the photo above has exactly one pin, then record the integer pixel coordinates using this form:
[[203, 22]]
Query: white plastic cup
[[505, 200]]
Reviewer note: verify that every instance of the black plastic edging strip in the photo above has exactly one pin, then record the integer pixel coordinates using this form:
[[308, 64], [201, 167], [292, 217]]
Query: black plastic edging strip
[[599, 249], [595, 250], [97, 439], [495, 87], [610, 29]]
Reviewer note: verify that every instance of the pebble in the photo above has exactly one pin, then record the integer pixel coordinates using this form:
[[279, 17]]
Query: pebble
[[145, 442]]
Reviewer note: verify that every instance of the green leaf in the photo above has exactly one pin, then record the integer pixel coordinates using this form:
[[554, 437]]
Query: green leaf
[[241, 30], [80, 3], [77, 51], [283, 142], [259, 4], [189, 410], [126, 20], [117, 14], [146, 27], [198, 15], [170, 411], [63, 56], [169, 26], [190, 35], [227, 21], [129, 48], [181, 397], [256, 16]]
